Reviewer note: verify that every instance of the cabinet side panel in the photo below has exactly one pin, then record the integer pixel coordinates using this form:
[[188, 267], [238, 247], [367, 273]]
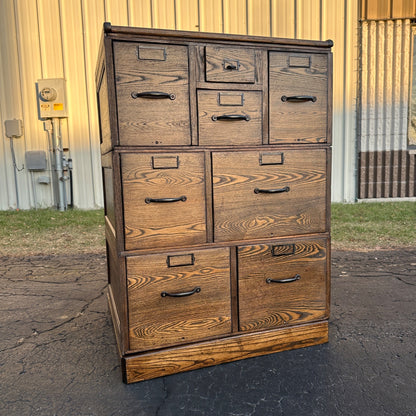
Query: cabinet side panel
[[104, 114], [117, 291]]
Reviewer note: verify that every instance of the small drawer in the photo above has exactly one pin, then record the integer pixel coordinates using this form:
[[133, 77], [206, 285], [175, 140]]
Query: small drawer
[[178, 297], [282, 284], [229, 117], [164, 199], [236, 65], [268, 193], [298, 97], [152, 87]]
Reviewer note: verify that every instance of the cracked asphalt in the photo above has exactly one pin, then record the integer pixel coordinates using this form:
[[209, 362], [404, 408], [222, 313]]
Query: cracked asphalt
[[58, 353]]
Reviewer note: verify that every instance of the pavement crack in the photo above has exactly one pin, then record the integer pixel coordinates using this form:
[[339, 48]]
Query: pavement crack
[[83, 309], [404, 281], [165, 397], [36, 333]]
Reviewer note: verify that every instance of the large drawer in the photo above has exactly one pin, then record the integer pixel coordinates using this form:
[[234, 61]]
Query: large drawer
[[298, 97], [177, 298], [229, 117], [164, 199], [264, 194], [282, 284], [152, 85]]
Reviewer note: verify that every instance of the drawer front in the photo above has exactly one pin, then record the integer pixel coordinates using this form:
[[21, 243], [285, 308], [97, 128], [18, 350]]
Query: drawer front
[[164, 199], [298, 97], [284, 284], [229, 117], [201, 308], [224, 64], [152, 85], [268, 194]]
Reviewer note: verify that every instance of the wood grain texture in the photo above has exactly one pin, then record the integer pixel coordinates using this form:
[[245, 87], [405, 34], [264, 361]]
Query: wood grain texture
[[104, 114], [163, 224], [229, 132], [147, 121], [117, 290], [265, 305], [204, 354], [240, 214], [157, 321], [298, 122], [218, 58], [108, 186]]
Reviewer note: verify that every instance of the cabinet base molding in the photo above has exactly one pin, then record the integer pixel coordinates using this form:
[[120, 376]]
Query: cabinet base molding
[[204, 354]]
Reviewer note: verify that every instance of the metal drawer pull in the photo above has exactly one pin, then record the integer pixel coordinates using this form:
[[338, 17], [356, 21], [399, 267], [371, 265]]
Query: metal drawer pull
[[181, 294], [181, 198], [299, 98], [231, 117], [230, 67], [289, 280], [271, 191], [153, 94]]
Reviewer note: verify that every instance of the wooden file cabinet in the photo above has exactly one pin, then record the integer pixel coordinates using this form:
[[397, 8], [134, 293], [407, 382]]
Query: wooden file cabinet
[[216, 168]]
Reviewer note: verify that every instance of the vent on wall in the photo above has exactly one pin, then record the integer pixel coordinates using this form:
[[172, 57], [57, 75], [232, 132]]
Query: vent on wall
[[387, 174]]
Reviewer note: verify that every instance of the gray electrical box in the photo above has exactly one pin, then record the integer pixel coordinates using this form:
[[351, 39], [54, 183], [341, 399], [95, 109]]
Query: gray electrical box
[[36, 160], [14, 128], [52, 98]]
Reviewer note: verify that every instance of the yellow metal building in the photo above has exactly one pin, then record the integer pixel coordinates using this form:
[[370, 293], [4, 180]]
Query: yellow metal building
[[59, 39]]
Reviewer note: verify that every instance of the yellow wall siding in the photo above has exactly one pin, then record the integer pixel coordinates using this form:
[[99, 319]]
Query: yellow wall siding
[[187, 15], [51, 38], [140, 13], [211, 16], [235, 16], [258, 14], [283, 18], [384, 92]]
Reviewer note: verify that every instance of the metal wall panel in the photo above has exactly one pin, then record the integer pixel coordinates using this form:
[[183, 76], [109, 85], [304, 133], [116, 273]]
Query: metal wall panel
[[386, 164], [59, 38]]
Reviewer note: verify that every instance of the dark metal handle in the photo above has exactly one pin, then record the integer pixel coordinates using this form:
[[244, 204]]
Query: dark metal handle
[[153, 94], [181, 294], [231, 117], [289, 280], [149, 200], [271, 191], [298, 98], [230, 67]]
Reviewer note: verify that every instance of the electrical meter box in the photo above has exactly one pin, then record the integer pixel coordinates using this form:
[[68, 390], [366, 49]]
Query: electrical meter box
[[52, 98]]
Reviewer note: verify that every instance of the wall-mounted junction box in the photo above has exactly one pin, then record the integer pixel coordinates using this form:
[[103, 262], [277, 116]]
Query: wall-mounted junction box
[[52, 98], [14, 128]]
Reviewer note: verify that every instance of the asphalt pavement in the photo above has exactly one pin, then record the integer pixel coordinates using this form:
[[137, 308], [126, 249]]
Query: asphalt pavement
[[58, 354]]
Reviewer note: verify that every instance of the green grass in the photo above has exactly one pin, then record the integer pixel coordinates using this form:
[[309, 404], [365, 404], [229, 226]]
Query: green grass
[[375, 225], [369, 226], [48, 231]]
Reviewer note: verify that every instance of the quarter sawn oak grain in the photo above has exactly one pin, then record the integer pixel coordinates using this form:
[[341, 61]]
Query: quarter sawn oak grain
[[216, 168]]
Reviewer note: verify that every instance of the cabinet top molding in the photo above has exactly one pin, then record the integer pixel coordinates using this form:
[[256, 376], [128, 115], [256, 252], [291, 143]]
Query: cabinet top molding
[[204, 36]]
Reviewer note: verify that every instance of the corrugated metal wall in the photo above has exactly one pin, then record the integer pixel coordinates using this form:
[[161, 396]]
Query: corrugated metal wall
[[59, 38], [387, 168]]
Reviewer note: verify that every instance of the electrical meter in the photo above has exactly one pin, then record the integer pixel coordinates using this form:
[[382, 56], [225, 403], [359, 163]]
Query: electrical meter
[[52, 98], [48, 94]]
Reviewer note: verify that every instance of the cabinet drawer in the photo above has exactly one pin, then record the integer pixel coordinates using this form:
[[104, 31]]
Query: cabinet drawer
[[152, 85], [298, 97], [158, 318], [223, 64], [282, 284], [229, 117], [268, 194], [164, 199]]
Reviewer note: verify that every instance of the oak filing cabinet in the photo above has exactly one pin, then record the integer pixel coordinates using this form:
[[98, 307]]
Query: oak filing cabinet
[[216, 168]]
